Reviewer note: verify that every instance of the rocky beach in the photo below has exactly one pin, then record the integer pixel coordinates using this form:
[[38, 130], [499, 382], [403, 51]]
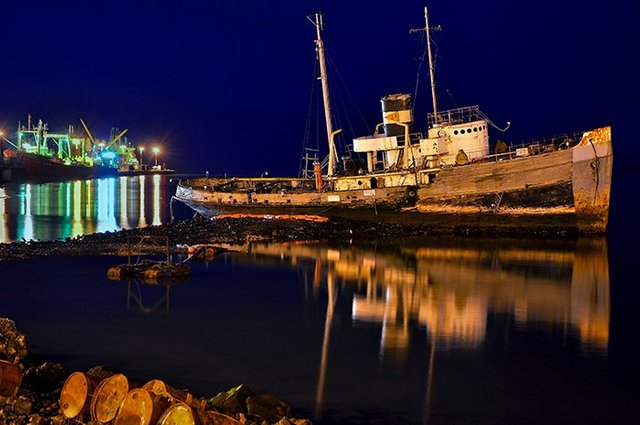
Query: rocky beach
[[34, 399], [238, 230]]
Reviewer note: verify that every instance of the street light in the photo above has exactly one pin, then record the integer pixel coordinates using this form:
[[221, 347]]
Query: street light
[[141, 149], [156, 151]]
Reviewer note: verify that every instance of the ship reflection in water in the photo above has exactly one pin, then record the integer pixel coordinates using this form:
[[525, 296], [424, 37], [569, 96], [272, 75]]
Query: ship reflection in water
[[451, 291], [50, 211], [499, 331]]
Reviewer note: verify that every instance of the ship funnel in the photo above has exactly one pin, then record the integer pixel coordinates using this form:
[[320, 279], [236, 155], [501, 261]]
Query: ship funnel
[[396, 108]]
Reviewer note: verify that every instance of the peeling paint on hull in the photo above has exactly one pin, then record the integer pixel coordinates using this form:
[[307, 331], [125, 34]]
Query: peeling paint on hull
[[563, 190]]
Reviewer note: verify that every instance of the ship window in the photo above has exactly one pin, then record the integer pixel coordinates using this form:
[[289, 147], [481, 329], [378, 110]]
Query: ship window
[[462, 131], [455, 132], [475, 129]]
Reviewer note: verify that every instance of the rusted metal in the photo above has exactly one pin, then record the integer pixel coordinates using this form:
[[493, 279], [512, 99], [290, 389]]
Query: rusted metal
[[141, 407], [10, 378], [161, 388], [178, 414], [107, 398], [76, 394]]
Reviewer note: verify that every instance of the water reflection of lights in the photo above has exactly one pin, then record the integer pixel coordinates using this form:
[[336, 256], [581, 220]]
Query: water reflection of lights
[[4, 228], [76, 213], [451, 292], [27, 223], [142, 221], [156, 201], [49, 211], [122, 181], [105, 205]]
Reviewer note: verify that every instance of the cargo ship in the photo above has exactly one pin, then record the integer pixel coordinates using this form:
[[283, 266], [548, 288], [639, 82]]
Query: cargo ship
[[450, 173], [41, 154]]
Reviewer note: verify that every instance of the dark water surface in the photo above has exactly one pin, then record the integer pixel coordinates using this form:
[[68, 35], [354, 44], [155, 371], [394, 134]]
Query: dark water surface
[[440, 331], [49, 211]]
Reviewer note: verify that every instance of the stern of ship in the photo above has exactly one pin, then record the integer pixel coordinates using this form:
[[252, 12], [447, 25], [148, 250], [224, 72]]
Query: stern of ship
[[591, 180]]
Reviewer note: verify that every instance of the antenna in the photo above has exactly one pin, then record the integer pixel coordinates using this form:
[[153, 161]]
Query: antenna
[[427, 29]]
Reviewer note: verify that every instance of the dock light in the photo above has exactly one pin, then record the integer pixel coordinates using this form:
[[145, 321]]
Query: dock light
[[156, 151], [141, 149]]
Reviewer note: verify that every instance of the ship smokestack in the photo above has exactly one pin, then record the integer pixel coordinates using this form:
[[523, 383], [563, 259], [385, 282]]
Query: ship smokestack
[[396, 108]]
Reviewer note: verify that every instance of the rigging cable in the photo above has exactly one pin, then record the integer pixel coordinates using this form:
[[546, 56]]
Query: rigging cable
[[307, 129], [346, 89], [424, 54]]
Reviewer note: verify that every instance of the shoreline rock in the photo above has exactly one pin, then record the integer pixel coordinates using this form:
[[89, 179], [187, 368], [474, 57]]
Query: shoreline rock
[[37, 401], [242, 230]]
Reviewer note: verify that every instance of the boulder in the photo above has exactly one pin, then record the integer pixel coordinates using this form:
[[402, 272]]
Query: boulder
[[13, 344], [269, 407], [45, 377], [233, 400]]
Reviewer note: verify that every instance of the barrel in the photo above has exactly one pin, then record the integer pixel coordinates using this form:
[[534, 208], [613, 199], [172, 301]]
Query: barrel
[[10, 379], [177, 414], [107, 398], [76, 393], [158, 387], [141, 407]]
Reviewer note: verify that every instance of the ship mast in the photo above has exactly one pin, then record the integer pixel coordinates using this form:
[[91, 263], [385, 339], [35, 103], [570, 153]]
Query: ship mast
[[428, 30], [325, 92]]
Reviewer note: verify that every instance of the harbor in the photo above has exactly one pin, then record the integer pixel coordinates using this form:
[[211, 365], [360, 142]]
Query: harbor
[[276, 214], [38, 154]]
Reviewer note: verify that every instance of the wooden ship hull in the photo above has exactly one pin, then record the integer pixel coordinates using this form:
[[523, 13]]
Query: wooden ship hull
[[211, 196], [570, 185], [573, 182]]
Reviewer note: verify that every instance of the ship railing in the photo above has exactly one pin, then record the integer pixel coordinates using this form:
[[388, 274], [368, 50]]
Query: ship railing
[[538, 146], [455, 116]]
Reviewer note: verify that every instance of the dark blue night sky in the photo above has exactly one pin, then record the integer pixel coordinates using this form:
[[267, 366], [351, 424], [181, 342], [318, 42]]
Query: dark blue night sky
[[226, 85]]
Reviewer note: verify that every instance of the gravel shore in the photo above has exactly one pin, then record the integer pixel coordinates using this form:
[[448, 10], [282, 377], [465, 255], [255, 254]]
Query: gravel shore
[[240, 230]]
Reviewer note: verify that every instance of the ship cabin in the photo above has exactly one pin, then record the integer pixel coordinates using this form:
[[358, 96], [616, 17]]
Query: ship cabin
[[455, 137]]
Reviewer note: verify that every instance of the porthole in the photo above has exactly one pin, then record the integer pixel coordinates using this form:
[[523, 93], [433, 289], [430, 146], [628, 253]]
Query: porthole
[[475, 129], [455, 132], [462, 131]]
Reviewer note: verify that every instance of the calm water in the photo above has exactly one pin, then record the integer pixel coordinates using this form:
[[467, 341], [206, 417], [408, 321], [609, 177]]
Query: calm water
[[441, 331], [49, 211]]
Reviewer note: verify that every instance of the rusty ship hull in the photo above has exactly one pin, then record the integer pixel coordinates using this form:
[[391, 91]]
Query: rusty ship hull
[[573, 183], [567, 189], [211, 196]]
